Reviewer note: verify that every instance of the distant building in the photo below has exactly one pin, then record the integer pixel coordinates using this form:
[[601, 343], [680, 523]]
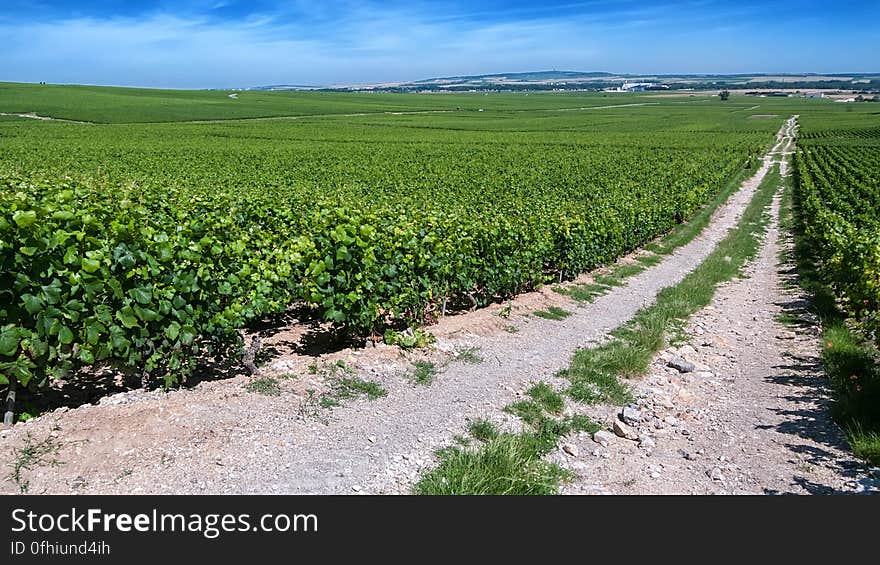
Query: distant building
[[637, 87]]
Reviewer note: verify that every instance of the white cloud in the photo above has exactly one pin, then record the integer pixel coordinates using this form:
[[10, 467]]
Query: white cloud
[[165, 50]]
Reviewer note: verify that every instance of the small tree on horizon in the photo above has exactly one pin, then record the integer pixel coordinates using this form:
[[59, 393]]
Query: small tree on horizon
[[724, 94]]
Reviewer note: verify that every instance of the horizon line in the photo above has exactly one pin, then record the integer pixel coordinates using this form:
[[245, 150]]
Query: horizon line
[[460, 76]]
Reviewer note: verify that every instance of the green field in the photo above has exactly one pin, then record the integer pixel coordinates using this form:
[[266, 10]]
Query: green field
[[128, 105], [141, 241]]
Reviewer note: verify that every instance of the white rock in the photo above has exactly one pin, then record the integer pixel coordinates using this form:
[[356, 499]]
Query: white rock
[[647, 442], [631, 416], [603, 437], [571, 449]]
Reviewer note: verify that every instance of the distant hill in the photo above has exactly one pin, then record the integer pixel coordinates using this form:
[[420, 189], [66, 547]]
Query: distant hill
[[530, 76], [600, 80], [286, 87]]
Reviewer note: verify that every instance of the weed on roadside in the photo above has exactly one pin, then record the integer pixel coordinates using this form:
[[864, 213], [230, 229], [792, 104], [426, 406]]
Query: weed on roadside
[[264, 385], [33, 454], [504, 465], [469, 355], [549, 399], [483, 430], [553, 313], [310, 406], [424, 372]]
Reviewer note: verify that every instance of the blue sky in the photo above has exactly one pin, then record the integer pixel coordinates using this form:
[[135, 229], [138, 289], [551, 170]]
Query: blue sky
[[232, 43]]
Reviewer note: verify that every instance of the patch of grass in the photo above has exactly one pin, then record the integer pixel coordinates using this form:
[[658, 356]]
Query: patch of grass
[[649, 259], [549, 399], [511, 329], [469, 355], [344, 385], [264, 385], [592, 386], [483, 430], [586, 292], [507, 464], [353, 387], [548, 433], [865, 444], [788, 319], [621, 357], [619, 273], [851, 364], [461, 440], [553, 313], [646, 334], [528, 411], [33, 454], [581, 423], [424, 372], [328, 401]]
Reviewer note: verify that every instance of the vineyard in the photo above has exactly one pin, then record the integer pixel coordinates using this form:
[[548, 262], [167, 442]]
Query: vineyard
[[146, 247], [838, 180], [837, 173]]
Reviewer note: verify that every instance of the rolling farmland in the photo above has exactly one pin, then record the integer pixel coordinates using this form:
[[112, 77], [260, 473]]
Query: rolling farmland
[[159, 235]]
